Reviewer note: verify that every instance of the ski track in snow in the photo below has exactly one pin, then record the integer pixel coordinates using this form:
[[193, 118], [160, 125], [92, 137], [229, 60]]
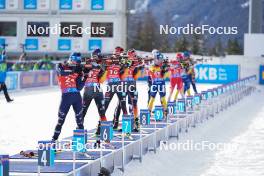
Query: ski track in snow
[[33, 116]]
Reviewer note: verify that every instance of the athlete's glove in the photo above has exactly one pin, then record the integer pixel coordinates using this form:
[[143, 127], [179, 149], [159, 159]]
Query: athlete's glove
[[129, 63], [123, 61], [87, 68], [77, 69]]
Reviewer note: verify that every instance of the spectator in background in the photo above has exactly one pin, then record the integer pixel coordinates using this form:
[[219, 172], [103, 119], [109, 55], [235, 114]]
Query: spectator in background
[[43, 64], [23, 65], [16, 66], [22, 57], [46, 63], [3, 69], [46, 66], [36, 66]]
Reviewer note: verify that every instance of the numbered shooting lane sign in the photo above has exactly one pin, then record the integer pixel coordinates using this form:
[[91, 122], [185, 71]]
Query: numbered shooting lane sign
[[181, 106], [127, 123], [158, 113], [172, 108], [204, 95], [4, 165], [144, 117], [79, 140], [46, 153], [197, 99], [189, 102], [106, 131]]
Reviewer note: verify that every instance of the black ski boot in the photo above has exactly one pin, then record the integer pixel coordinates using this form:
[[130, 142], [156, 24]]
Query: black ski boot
[[136, 125], [115, 124], [9, 100], [97, 133], [104, 172], [97, 144]]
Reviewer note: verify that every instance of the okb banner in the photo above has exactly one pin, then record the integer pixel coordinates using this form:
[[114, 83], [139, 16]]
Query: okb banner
[[216, 74]]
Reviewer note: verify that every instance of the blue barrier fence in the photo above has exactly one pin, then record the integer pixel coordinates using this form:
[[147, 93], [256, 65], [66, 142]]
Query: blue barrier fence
[[214, 74], [30, 79]]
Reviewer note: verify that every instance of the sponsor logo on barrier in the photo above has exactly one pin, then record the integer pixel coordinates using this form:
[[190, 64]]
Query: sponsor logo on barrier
[[97, 4], [216, 74], [34, 79]]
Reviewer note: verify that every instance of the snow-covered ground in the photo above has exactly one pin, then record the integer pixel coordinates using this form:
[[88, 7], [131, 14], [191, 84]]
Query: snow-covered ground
[[33, 116], [240, 129]]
